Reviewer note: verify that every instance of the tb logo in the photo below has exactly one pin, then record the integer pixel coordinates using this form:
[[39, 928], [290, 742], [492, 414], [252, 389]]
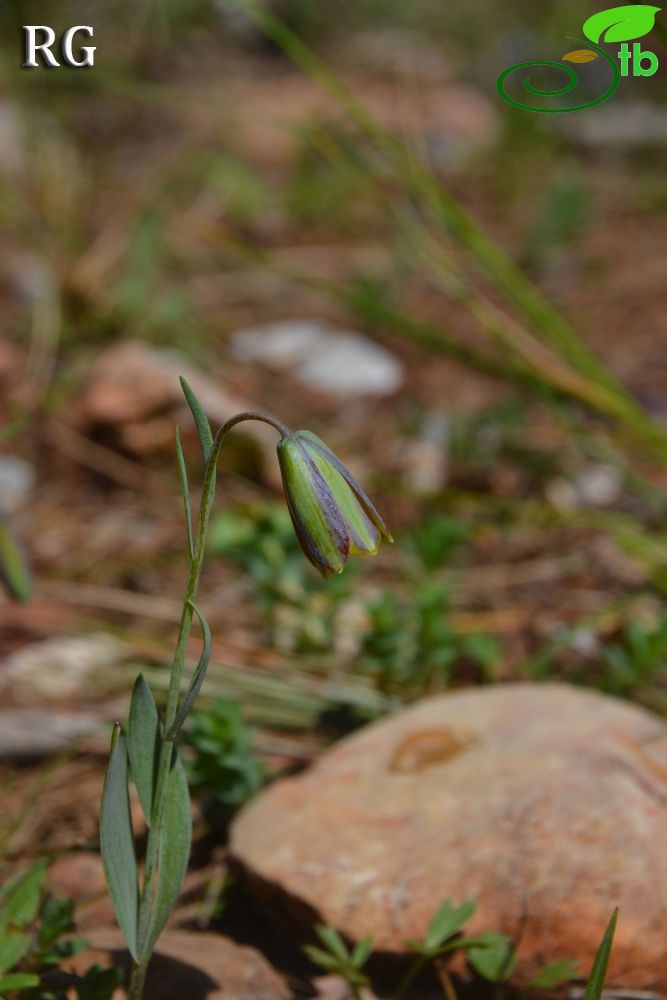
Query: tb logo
[[38, 39]]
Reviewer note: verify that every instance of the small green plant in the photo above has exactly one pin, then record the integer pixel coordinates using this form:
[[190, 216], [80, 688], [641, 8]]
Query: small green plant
[[299, 608], [563, 970], [333, 519], [337, 958], [489, 954], [437, 539], [634, 662], [411, 647], [224, 767], [36, 937]]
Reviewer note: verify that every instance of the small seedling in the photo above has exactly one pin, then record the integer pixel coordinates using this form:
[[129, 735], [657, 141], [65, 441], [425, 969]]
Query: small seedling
[[411, 645], [562, 971], [223, 766], [489, 954], [36, 937], [337, 958]]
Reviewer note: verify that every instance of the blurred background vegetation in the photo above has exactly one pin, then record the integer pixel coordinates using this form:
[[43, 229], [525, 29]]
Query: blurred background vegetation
[[348, 166]]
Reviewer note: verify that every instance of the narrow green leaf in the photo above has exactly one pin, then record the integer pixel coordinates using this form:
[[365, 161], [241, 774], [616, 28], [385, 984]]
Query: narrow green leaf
[[362, 952], [20, 899], [553, 974], [447, 920], [621, 24], [185, 491], [143, 744], [322, 958], [333, 941], [12, 949], [117, 844], [595, 983], [198, 676], [174, 852], [14, 572], [19, 981], [200, 419]]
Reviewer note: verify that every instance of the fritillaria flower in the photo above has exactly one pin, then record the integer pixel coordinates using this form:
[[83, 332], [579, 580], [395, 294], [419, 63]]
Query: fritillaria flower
[[332, 516]]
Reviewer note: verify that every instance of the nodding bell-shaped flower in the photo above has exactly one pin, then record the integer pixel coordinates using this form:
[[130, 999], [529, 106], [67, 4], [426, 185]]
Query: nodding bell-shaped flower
[[332, 516]]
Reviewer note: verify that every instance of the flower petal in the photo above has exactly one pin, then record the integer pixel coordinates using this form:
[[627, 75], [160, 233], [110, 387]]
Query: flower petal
[[364, 500], [363, 534], [317, 522]]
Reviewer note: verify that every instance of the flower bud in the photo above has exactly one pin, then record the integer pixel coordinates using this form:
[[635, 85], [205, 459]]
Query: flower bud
[[332, 516]]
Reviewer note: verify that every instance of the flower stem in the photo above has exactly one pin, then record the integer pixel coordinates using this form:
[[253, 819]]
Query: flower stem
[[144, 944]]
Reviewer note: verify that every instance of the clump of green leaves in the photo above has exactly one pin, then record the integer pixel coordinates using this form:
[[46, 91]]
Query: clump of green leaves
[[436, 540], [224, 766], [489, 954], [633, 662], [36, 937], [337, 958], [299, 607], [411, 646]]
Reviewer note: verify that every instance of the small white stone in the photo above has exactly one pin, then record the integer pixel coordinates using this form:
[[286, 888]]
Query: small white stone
[[57, 668], [279, 344], [17, 479], [341, 362], [352, 365]]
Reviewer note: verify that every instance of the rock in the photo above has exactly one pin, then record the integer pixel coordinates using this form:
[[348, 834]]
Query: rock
[[192, 965], [596, 485], [132, 384], [57, 668], [547, 804], [339, 362], [17, 479], [27, 733], [424, 459], [399, 54], [462, 126], [334, 988], [132, 381], [630, 126], [79, 876]]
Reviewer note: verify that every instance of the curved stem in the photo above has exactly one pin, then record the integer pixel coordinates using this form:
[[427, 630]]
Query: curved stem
[[145, 946]]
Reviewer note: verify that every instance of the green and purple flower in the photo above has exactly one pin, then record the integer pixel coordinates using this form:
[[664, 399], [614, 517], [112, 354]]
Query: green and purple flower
[[332, 516]]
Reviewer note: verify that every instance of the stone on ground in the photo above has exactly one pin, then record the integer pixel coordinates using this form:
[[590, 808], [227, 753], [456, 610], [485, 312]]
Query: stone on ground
[[545, 803], [187, 965]]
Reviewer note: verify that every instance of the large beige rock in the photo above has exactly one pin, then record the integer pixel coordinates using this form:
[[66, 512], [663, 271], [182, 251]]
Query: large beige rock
[[545, 803]]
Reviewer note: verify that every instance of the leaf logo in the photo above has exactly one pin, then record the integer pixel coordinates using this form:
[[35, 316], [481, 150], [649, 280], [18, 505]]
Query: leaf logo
[[580, 56], [621, 24]]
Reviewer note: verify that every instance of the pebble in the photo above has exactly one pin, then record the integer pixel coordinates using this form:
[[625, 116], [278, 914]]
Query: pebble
[[339, 362]]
